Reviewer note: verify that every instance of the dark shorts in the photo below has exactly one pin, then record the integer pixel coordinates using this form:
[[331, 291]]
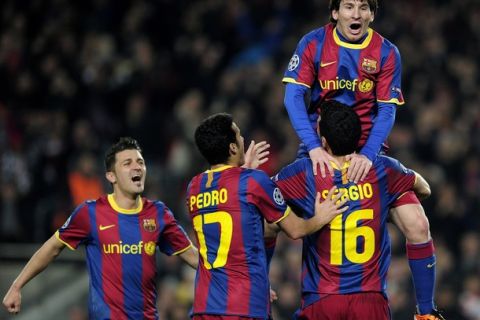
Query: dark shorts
[[357, 306], [217, 317]]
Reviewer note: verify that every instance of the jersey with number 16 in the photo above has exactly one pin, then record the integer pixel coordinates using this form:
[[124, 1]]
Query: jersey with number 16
[[227, 206], [352, 253]]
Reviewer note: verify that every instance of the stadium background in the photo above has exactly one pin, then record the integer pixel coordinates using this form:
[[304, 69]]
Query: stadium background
[[76, 75]]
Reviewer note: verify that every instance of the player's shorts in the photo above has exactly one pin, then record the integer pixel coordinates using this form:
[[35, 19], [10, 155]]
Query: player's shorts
[[218, 317], [355, 306]]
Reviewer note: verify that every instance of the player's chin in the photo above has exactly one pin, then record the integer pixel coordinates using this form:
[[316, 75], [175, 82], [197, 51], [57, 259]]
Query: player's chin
[[138, 188]]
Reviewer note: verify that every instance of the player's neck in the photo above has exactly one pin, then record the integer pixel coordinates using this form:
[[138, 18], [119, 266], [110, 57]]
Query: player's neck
[[340, 159], [125, 201], [232, 161], [221, 165]]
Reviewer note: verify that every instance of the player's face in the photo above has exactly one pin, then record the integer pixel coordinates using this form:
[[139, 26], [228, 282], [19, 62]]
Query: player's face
[[353, 18], [128, 176], [240, 145]]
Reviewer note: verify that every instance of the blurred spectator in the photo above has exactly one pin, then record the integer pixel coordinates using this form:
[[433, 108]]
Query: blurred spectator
[[84, 180]]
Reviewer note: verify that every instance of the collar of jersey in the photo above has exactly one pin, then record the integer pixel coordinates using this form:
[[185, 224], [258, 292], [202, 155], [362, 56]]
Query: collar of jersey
[[345, 44], [116, 207], [345, 165], [225, 167]]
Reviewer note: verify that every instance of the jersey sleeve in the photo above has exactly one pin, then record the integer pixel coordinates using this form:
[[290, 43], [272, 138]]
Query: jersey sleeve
[[293, 180], [76, 229], [301, 67], [408, 197], [389, 87], [173, 239], [399, 179], [267, 197]]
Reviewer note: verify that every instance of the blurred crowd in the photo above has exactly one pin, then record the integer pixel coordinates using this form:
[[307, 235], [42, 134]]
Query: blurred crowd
[[76, 75]]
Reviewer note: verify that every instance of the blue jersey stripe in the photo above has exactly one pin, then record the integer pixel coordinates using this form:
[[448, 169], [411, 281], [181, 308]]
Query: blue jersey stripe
[[129, 229], [347, 97], [347, 282], [216, 298], [252, 230], [164, 246], [97, 306], [385, 255]]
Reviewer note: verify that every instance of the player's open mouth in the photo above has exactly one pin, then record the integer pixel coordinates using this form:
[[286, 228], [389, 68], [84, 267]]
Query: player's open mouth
[[137, 178], [355, 28]]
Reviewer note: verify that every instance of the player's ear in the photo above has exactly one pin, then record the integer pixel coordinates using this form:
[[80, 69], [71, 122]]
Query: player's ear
[[110, 175], [233, 148], [334, 15], [372, 17], [324, 142]]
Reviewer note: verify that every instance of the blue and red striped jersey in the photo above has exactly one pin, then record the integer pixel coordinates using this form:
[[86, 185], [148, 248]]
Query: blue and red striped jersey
[[227, 206], [352, 253], [360, 75], [120, 246]]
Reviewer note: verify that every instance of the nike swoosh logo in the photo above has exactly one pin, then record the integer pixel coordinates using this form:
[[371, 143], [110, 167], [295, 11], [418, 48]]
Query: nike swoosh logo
[[326, 64], [106, 227], [430, 265]]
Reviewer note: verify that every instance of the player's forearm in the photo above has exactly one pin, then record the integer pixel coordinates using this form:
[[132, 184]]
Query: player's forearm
[[380, 130], [297, 112], [297, 228], [38, 262], [190, 256]]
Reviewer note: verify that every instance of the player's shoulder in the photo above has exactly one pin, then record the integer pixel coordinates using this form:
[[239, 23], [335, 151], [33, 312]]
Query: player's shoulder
[[317, 34], [255, 173], [384, 161], [89, 202], [294, 168], [384, 41], [147, 203]]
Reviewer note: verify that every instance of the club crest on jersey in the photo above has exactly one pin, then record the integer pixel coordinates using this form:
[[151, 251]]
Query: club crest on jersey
[[369, 65], [365, 85], [278, 197], [149, 225], [294, 62]]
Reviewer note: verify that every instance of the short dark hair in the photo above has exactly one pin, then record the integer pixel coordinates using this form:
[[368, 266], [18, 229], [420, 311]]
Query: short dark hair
[[340, 126], [124, 143], [335, 5], [213, 137]]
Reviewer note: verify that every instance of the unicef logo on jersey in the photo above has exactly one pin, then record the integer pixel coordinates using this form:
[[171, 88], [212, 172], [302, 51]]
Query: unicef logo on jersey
[[293, 64], [278, 197]]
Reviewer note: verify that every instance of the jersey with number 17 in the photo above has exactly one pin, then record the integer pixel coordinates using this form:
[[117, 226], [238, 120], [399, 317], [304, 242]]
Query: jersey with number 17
[[352, 253], [227, 206]]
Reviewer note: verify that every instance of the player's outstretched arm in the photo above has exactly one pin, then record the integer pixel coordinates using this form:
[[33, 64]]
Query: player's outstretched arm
[[296, 227], [190, 256], [37, 263], [256, 154]]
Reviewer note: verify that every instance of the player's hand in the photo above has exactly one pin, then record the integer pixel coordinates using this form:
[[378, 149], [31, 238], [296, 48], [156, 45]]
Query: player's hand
[[321, 158], [359, 167], [256, 155], [330, 207], [273, 295], [12, 300]]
